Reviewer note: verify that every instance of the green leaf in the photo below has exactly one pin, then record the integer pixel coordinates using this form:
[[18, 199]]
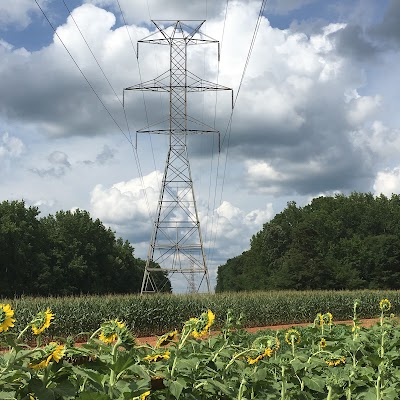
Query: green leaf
[[7, 395], [298, 365], [390, 393], [223, 388], [94, 376], [175, 388], [124, 361], [65, 389], [92, 396], [315, 383], [369, 395]]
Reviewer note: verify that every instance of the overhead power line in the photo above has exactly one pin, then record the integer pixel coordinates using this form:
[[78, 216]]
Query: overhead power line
[[229, 126], [83, 74], [129, 139]]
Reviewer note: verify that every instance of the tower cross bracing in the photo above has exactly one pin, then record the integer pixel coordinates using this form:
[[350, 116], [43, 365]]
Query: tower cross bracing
[[176, 244]]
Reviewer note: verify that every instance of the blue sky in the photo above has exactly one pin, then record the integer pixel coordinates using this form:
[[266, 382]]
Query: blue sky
[[316, 113]]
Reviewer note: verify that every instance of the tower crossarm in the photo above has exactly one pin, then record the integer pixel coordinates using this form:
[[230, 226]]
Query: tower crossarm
[[193, 83]]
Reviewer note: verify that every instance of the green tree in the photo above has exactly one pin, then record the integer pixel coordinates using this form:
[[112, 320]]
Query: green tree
[[85, 257], [22, 244], [67, 253], [339, 242]]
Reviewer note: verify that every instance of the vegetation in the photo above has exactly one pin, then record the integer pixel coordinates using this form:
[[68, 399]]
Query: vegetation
[[322, 361], [333, 243], [156, 314], [63, 254]]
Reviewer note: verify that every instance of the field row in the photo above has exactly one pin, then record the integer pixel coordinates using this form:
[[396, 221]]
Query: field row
[[156, 314]]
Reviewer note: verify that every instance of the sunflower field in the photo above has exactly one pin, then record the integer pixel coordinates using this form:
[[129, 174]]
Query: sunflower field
[[324, 360]]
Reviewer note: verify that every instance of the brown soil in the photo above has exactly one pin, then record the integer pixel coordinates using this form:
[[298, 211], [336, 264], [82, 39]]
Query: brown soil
[[151, 340]]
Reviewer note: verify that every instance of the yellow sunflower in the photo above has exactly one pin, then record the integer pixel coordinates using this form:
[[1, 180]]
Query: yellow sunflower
[[54, 351], [42, 321], [385, 305], [166, 338], [58, 352], [157, 357], [203, 324], [6, 317], [41, 365], [266, 353], [327, 318], [144, 395], [322, 342], [292, 335], [110, 330], [335, 361]]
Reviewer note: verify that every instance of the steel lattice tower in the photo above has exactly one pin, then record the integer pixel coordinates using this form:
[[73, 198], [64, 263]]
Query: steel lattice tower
[[176, 243]]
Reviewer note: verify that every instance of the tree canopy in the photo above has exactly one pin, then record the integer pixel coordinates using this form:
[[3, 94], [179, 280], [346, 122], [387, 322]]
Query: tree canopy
[[340, 242], [63, 254]]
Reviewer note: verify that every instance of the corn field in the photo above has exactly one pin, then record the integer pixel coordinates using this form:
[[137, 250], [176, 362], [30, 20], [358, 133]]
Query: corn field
[[156, 314]]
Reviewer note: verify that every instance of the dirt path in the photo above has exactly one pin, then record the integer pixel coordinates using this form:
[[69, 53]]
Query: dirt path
[[151, 340]]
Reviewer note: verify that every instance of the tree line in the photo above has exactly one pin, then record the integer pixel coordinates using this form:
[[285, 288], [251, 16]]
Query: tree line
[[68, 253], [338, 242]]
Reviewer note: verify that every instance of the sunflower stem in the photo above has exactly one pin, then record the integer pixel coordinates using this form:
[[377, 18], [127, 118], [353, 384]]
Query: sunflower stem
[[283, 387], [329, 397], [113, 379], [23, 331]]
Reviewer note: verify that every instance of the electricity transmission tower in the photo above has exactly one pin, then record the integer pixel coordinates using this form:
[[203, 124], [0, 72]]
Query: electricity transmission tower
[[176, 243]]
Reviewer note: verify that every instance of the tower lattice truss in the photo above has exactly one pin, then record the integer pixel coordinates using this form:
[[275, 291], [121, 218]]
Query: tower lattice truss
[[176, 244]]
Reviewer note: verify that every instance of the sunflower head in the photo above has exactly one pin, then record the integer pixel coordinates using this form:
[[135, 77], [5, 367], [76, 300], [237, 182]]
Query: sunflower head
[[111, 331], [267, 352], [6, 317], [203, 324], [166, 338], [267, 342], [334, 361], [158, 357], [292, 336], [42, 321], [53, 351], [145, 395], [319, 319], [322, 343], [56, 350], [327, 318], [385, 305]]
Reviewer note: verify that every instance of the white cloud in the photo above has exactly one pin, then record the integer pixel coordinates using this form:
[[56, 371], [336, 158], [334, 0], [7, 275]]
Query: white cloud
[[59, 165], [233, 228], [144, 11], [128, 202], [18, 12], [59, 157], [11, 146], [387, 182], [363, 108], [378, 142]]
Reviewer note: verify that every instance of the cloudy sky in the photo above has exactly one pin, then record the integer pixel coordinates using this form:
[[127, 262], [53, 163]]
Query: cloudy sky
[[316, 114]]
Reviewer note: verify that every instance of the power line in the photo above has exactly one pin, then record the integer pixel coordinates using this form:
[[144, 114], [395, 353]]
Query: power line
[[80, 70], [101, 69], [94, 91], [87, 44], [140, 77], [229, 126], [210, 229]]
